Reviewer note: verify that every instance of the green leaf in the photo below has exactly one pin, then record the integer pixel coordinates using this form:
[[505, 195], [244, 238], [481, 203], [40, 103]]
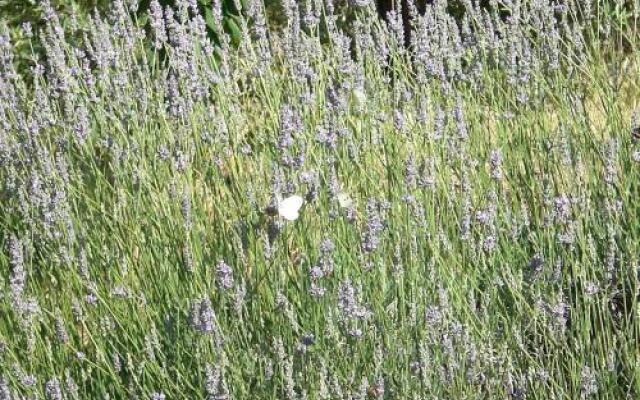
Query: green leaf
[[233, 29], [208, 19], [143, 19]]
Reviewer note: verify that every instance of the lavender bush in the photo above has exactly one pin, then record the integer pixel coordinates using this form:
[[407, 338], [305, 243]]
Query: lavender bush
[[469, 226]]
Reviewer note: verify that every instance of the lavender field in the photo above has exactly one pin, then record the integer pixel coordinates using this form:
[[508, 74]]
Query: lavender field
[[325, 209]]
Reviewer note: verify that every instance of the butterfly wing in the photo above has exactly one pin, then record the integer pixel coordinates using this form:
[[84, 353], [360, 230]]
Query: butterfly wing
[[344, 200], [289, 207], [359, 97]]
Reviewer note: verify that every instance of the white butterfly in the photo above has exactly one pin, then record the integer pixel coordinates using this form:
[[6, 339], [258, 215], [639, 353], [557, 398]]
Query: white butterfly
[[359, 98], [344, 200], [289, 207]]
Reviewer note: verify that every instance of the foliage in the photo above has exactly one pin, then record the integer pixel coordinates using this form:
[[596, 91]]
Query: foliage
[[468, 227]]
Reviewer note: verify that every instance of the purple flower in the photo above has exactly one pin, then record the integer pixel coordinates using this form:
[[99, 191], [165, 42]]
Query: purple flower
[[496, 165], [374, 226], [52, 389], [18, 275], [203, 318], [224, 275]]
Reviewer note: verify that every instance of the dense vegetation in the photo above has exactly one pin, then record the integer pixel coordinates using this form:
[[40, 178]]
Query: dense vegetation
[[469, 226]]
